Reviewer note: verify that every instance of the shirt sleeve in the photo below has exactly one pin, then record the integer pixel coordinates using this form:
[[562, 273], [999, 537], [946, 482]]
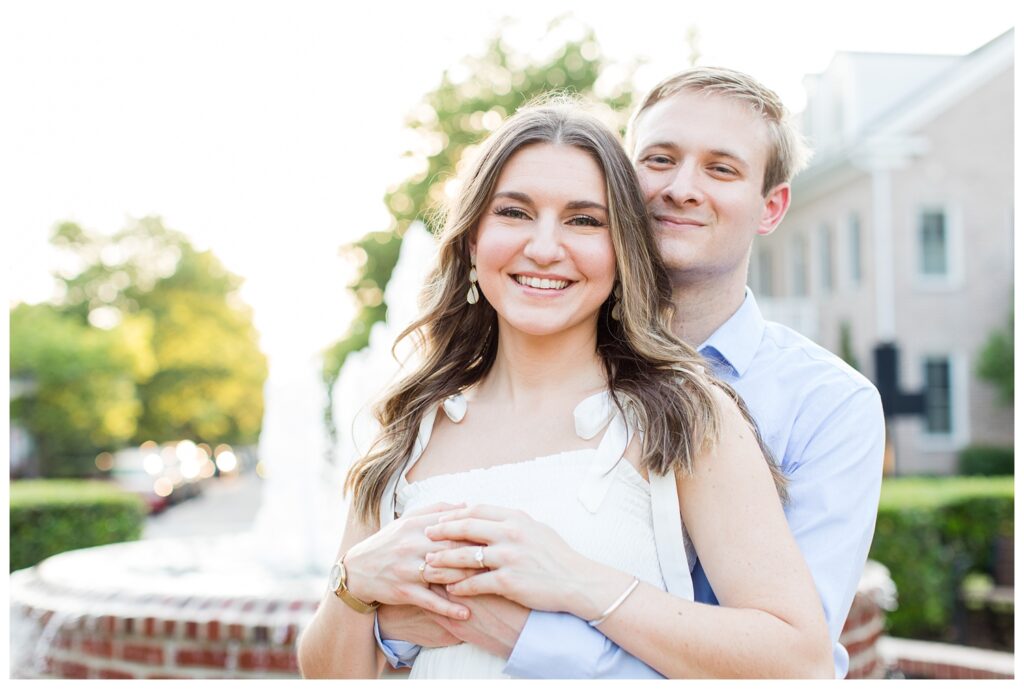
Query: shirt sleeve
[[398, 653], [834, 488], [557, 645]]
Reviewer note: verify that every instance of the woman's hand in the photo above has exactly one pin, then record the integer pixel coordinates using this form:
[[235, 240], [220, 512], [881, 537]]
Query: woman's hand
[[385, 567], [524, 560]]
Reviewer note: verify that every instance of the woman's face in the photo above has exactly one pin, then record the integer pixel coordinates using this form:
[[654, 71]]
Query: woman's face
[[543, 247]]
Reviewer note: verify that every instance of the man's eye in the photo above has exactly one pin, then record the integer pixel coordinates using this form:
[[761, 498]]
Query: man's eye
[[586, 220], [511, 212], [658, 160], [723, 169]]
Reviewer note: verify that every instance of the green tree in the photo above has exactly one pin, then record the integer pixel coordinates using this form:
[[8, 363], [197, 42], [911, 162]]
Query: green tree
[[208, 373], [80, 394], [449, 122], [995, 362], [846, 352]]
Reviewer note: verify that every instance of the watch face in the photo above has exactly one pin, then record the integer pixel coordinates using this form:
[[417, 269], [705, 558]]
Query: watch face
[[335, 578]]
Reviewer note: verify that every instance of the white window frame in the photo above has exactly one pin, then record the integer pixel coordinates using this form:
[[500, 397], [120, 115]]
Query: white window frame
[[954, 275], [959, 379]]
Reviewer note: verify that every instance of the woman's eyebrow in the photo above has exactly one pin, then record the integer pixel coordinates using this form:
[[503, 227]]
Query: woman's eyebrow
[[581, 205], [514, 195], [572, 205]]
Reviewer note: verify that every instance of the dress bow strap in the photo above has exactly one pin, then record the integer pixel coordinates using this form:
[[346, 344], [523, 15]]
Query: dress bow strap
[[591, 415], [675, 551], [389, 505]]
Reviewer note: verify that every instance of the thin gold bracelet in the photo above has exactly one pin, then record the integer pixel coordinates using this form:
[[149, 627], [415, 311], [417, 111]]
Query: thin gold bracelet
[[614, 606]]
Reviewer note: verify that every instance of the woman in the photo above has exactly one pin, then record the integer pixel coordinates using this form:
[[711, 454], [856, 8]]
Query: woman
[[565, 400]]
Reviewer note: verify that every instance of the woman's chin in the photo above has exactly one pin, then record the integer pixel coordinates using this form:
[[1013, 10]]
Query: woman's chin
[[543, 325]]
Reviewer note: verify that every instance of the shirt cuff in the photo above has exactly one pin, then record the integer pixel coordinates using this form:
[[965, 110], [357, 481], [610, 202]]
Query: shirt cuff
[[398, 653]]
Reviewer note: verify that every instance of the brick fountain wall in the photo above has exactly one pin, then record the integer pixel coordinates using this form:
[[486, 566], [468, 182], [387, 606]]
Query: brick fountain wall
[[65, 627], [85, 614]]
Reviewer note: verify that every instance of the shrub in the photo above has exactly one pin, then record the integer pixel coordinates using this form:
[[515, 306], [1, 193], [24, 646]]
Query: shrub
[[930, 533], [50, 517], [980, 460]]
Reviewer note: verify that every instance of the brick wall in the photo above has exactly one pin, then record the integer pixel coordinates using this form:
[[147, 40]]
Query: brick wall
[[864, 626], [154, 637]]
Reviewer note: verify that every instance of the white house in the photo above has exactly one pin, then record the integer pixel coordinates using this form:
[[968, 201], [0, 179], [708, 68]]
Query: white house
[[901, 231]]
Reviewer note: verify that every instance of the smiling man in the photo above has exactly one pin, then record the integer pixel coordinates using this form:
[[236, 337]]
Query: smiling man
[[715, 153]]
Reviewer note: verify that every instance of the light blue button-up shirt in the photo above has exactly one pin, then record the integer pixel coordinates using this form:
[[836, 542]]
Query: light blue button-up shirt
[[823, 421]]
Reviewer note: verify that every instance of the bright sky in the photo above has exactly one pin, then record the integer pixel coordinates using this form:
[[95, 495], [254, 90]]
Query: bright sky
[[270, 131]]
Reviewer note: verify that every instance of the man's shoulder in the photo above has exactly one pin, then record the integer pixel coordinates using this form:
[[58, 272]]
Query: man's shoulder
[[797, 359], [806, 394]]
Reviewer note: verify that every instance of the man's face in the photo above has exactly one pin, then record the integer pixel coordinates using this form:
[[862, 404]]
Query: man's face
[[701, 161]]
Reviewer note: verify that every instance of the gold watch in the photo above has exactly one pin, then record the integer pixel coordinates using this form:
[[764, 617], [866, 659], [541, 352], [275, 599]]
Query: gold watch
[[338, 584]]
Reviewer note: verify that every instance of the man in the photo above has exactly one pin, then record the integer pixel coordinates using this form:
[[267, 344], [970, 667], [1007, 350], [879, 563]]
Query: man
[[715, 154]]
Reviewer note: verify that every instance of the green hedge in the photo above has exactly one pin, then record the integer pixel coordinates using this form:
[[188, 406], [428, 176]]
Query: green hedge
[[930, 533], [54, 516], [982, 460]]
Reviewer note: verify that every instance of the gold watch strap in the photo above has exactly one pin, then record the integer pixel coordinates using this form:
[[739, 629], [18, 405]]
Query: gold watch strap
[[346, 596]]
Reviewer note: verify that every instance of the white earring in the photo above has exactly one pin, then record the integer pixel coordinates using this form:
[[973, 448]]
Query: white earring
[[473, 296]]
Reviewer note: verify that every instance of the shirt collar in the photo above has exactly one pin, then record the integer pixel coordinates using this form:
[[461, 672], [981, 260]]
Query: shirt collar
[[736, 341]]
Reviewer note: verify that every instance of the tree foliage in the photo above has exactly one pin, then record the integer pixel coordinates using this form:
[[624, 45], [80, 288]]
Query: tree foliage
[[80, 384], [995, 363], [150, 341], [449, 123]]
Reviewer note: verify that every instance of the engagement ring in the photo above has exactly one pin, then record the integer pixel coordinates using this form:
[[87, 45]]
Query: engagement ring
[[480, 557]]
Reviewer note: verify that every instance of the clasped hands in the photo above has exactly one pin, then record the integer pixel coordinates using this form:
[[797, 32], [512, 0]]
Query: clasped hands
[[424, 568]]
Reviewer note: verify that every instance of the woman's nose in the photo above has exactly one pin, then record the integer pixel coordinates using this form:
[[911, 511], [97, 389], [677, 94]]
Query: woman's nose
[[544, 246]]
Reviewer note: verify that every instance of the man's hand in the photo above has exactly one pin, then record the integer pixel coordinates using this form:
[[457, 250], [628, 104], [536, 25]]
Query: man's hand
[[494, 622], [415, 625]]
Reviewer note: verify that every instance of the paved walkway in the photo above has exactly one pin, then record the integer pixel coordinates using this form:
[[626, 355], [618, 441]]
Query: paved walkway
[[227, 505]]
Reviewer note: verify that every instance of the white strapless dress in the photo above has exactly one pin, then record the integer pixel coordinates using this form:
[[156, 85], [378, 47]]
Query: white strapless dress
[[593, 498]]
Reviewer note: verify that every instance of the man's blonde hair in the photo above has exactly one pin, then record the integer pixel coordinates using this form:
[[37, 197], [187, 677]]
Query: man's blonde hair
[[787, 151]]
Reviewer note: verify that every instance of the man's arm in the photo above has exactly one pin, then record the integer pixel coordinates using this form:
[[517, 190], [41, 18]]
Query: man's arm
[[558, 645], [834, 489]]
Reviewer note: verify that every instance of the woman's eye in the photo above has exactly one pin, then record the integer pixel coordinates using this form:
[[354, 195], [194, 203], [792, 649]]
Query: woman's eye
[[511, 212], [585, 220]]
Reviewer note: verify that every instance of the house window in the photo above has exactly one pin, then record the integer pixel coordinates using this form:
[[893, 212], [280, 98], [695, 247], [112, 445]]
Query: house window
[[933, 234], [799, 267], [854, 245], [938, 395], [825, 252]]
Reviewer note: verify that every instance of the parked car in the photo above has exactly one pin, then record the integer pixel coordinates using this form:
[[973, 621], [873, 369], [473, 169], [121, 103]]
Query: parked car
[[163, 474]]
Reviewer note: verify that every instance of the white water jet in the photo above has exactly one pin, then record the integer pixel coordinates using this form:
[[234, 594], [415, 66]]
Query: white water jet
[[368, 372]]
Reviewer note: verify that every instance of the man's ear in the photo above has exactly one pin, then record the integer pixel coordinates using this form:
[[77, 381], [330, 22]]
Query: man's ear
[[776, 203]]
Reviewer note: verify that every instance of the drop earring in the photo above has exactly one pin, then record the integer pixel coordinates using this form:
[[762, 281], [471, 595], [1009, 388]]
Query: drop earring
[[473, 296], [617, 305]]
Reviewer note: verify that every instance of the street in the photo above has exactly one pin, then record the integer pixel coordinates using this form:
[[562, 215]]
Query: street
[[226, 505]]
